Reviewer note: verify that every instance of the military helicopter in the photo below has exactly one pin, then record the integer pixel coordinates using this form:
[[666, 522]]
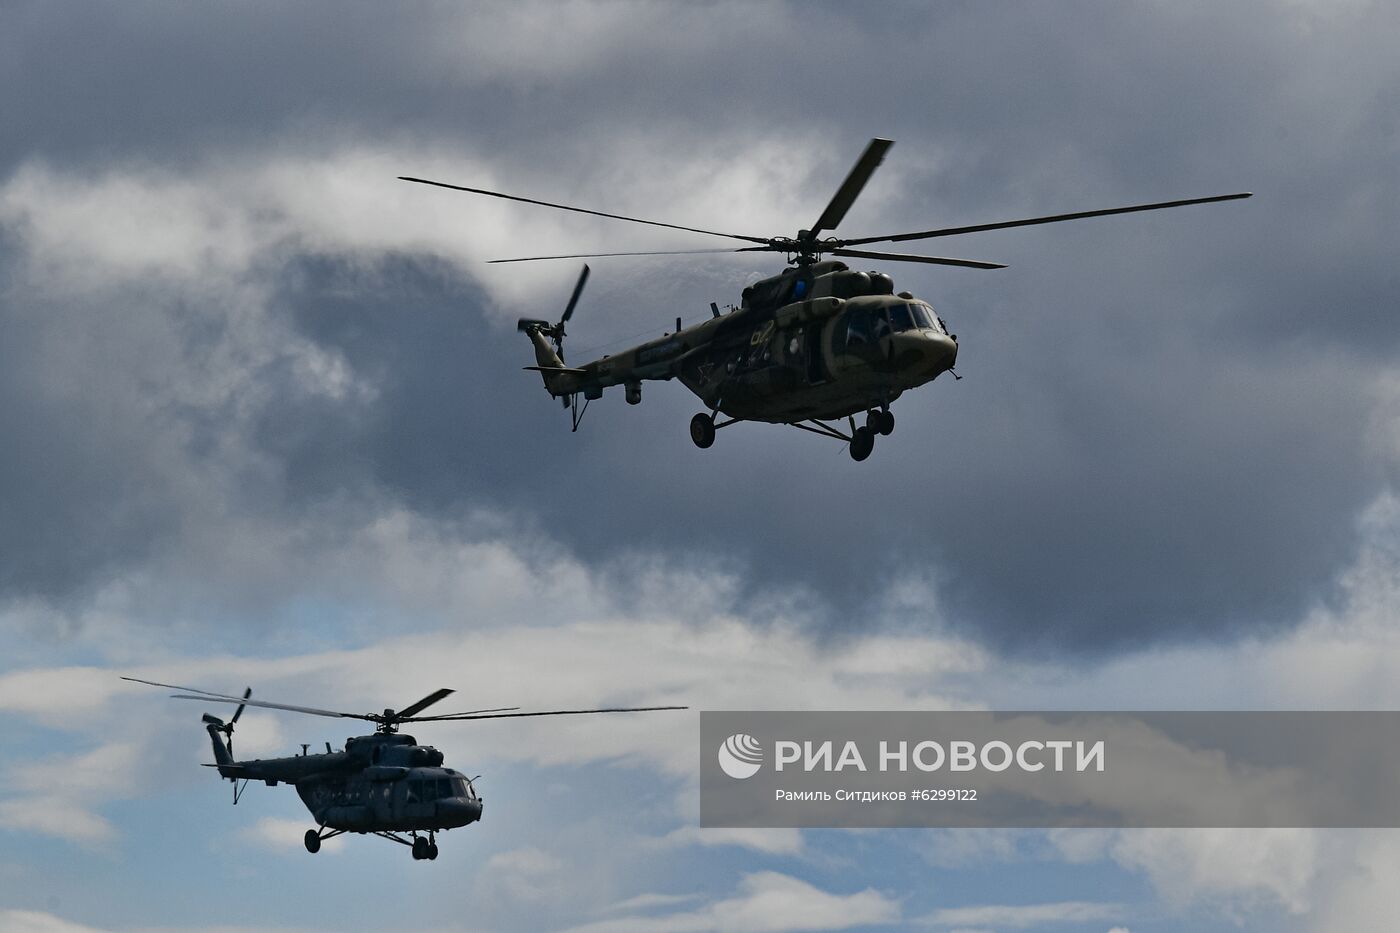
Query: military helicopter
[[814, 344], [385, 784]]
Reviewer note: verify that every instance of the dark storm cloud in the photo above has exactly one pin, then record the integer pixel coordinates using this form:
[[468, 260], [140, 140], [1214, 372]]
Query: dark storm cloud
[[1163, 432]]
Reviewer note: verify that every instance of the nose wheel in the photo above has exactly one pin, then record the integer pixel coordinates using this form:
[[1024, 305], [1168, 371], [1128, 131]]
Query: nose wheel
[[424, 848], [703, 427], [862, 443], [702, 430], [880, 420], [313, 837]]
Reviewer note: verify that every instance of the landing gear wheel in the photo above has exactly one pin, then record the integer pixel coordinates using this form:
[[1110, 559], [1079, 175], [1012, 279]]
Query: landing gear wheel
[[432, 851], [880, 421], [862, 443], [420, 848], [313, 841], [702, 430]]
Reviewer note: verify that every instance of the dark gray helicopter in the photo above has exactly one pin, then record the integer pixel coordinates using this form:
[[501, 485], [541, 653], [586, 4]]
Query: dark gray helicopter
[[815, 344], [386, 784]]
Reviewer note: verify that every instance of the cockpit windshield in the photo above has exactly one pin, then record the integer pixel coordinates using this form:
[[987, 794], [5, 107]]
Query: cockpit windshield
[[914, 315], [424, 790]]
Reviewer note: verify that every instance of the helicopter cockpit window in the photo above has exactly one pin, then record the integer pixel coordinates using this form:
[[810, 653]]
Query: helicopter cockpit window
[[901, 318], [924, 316], [858, 332], [880, 325]]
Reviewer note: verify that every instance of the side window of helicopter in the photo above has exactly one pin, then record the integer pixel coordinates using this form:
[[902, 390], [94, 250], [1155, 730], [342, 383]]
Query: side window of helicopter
[[880, 324], [858, 328], [901, 318]]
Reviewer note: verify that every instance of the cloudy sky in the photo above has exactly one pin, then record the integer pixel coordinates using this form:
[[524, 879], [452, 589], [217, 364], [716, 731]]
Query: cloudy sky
[[262, 421]]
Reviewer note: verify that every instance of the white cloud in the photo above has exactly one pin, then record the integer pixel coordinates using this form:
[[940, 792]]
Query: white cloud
[[57, 695], [60, 817], [1020, 916], [34, 921], [770, 841], [767, 901], [101, 769], [524, 875], [646, 902], [209, 229], [56, 796], [1360, 893], [285, 837], [1272, 866]]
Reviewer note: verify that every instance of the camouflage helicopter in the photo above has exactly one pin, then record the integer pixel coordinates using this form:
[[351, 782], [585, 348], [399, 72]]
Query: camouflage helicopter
[[385, 784], [817, 343]]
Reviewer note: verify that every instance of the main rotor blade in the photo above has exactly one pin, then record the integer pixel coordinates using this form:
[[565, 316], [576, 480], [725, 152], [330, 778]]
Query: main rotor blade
[[582, 210], [208, 693], [663, 252], [850, 188], [1051, 219], [423, 704], [473, 712], [371, 717], [557, 712], [909, 257]]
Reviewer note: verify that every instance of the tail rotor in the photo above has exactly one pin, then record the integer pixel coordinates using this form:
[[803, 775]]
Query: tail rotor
[[227, 727], [555, 332]]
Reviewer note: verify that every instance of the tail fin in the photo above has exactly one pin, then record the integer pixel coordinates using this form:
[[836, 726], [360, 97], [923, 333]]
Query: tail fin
[[223, 758], [549, 358]]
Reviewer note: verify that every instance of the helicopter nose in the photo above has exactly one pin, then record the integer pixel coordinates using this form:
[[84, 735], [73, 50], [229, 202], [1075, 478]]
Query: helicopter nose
[[459, 811], [924, 354], [941, 351]]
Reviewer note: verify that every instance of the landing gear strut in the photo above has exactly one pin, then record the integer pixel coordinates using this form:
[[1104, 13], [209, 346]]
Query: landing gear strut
[[860, 441], [424, 848]]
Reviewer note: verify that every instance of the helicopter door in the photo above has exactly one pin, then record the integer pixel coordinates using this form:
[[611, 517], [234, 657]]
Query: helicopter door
[[860, 335], [381, 801], [418, 800]]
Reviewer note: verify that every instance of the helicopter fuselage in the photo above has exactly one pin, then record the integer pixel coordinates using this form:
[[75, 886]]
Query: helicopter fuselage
[[379, 783], [813, 343]]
